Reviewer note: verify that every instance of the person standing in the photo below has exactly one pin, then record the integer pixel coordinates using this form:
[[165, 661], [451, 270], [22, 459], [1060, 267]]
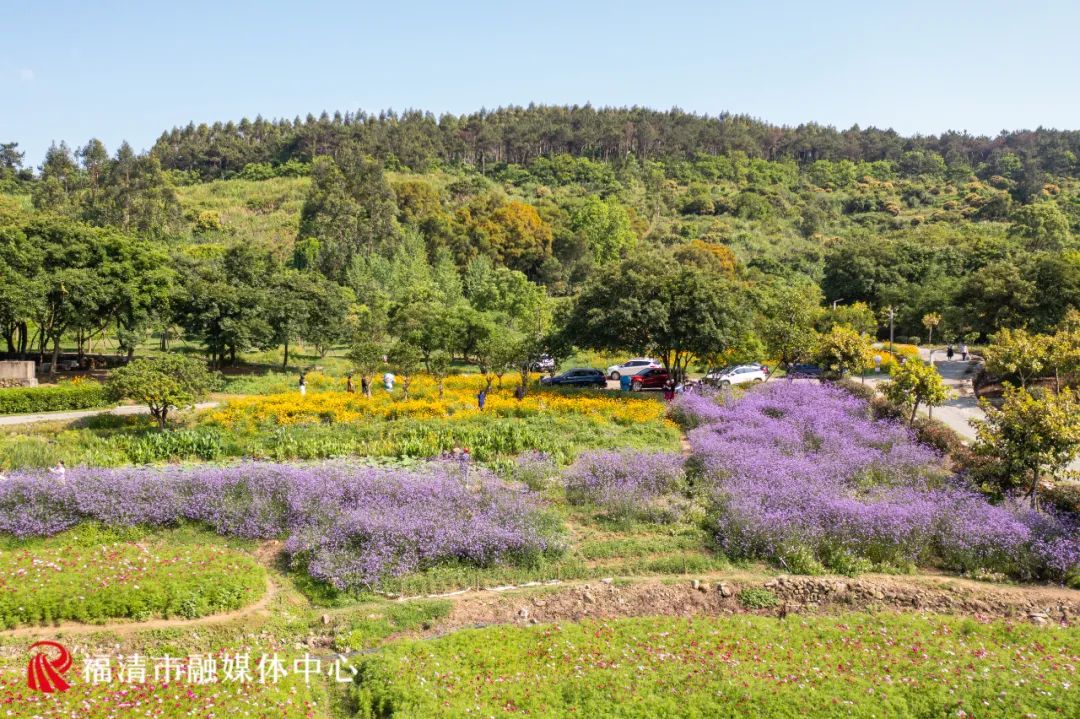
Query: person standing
[[303, 385], [388, 381], [59, 471], [365, 386], [964, 351], [949, 353], [481, 399], [519, 392], [669, 390], [349, 384]]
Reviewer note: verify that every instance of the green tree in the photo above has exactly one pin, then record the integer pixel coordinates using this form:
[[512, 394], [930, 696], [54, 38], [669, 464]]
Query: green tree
[[1041, 226], [787, 328], [842, 350], [1064, 349], [349, 210], [1030, 437], [171, 381], [604, 227], [914, 383], [649, 304], [366, 355], [439, 367], [407, 359], [930, 321], [1019, 353]]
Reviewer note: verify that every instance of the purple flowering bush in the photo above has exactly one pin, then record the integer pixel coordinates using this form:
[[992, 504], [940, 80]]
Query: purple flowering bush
[[347, 525], [628, 485], [804, 477]]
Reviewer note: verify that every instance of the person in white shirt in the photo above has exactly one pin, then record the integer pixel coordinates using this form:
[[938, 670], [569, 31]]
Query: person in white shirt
[[388, 381], [59, 471]]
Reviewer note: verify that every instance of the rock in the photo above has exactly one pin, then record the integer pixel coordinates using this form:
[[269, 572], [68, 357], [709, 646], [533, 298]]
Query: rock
[[726, 590], [1038, 617], [523, 613], [539, 602], [703, 587], [325, 619], [695, 584], [607, 580], [588, 598]]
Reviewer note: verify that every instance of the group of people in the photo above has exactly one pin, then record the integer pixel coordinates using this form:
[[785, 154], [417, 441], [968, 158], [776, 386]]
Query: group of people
[[950, 352]]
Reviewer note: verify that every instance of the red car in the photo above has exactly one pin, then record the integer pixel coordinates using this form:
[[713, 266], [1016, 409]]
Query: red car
[[654, 378]]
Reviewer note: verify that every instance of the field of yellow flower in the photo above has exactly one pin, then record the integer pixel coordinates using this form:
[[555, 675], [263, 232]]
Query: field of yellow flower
[[458, 402]]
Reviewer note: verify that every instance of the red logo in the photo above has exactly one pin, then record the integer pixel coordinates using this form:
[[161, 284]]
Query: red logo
[[47, 675]]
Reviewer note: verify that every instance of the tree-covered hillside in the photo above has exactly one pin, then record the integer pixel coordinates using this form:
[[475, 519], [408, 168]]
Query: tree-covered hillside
[[392, 225]]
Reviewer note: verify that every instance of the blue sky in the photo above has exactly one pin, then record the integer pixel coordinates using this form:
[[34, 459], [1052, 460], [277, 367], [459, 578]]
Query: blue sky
[[128, 70]]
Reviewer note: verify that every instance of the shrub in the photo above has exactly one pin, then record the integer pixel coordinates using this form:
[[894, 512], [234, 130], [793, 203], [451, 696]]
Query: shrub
[[66, 396], [757, 598]]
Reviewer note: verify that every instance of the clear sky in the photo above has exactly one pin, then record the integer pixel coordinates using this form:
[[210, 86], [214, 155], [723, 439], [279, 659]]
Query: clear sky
[[129, 70]]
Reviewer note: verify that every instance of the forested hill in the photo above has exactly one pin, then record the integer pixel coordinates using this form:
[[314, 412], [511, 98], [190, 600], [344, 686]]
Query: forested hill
[[418, 140], [514, 216]]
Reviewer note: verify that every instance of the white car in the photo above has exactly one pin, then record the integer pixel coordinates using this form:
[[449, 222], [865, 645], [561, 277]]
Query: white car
[[615, 372], [739, 374]]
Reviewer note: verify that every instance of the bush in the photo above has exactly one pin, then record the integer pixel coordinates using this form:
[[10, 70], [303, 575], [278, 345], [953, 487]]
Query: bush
[[757, 598], [937, 434], [67, 396]]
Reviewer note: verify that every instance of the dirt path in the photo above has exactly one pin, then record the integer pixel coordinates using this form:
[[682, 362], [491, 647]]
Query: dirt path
[[16, 419], [718, 594], [130, 626]]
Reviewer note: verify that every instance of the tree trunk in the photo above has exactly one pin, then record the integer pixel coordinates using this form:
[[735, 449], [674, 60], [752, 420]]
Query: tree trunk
[[914, 411], [24, 334], [285, 362], [55, 355], [9, 335], [1034, 491]]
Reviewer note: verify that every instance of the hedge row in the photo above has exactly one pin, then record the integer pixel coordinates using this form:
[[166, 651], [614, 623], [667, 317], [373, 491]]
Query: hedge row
[[23, 400]]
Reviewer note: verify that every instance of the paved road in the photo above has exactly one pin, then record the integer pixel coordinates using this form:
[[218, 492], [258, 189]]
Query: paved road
[[962, 406], [14, 419]]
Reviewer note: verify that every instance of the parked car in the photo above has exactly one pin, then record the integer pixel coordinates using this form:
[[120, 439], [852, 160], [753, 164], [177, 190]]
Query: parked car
[[652, 378], [804, 371], [576, 378], [544, 363], [615, 372], [737, 374]]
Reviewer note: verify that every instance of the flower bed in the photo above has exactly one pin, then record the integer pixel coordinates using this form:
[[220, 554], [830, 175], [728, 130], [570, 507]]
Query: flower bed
[[458, 403], [350, 526], [805, 478], [626, 485], [857, 665], [58, 580]]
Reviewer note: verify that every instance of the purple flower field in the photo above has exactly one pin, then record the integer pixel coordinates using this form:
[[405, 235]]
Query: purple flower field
[[625, 485], [804, 477], [350, 526]]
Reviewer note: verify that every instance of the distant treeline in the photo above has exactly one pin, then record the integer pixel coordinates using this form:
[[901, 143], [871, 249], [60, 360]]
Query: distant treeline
[[420, 140]]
